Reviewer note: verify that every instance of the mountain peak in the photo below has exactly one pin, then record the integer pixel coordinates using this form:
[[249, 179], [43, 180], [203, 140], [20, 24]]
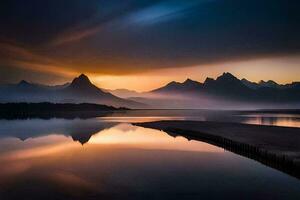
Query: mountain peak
[[83, 77], [173, 83], [81, 81], [226, 76], [268, 83], [208, 79], [188, 80], [191, 83], [23, 82]]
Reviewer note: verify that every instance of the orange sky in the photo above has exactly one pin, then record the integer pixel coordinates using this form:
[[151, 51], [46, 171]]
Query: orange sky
[[143, 45], [254, 70], [282, 69]]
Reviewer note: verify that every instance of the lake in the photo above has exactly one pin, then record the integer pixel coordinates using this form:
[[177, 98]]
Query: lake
[[107, 157]]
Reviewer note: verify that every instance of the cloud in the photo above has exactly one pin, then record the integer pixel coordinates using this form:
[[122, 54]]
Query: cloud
[[161, 12], [13, 74], [69, 37], [124, 37], [18, 63]]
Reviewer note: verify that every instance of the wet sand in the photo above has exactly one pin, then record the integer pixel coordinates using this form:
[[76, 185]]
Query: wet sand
[[277, 147]]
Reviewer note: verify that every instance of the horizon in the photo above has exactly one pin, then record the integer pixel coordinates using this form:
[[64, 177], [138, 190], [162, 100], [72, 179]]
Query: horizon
[[164, 84]]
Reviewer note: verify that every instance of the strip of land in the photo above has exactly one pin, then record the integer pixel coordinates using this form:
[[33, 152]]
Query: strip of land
[[278, 147], [53, 110]]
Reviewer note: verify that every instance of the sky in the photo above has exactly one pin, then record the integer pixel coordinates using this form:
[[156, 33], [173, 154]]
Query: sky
[[144, 44]]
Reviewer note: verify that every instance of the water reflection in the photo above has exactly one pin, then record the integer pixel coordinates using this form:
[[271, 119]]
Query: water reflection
[[45, 159], [275, 119], [54, 135], [272, 120], [132, 136], [79, 129]]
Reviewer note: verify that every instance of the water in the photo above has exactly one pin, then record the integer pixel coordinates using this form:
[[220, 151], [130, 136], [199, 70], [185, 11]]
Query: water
[[287, 120], [109, 158]]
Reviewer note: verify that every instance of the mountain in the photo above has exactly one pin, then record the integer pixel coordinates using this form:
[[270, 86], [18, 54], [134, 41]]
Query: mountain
[[175, 87], [267, 84], [225, 90], [250, 84], [80, 90], [226, 86], [123, 93]]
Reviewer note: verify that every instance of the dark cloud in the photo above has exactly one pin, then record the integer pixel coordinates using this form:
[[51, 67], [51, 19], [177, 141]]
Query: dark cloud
[[12, 74], [33, 22], [120, 36]]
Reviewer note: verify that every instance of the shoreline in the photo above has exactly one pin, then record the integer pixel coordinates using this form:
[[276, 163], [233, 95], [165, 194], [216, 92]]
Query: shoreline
[[276, 147]]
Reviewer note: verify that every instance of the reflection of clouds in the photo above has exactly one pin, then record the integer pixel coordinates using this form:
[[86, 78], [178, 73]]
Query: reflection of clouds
[[13, 168], [14, 144], [131, 136], [124, 127], [115, 33], [123, 134], [70, 181], [36, 152]]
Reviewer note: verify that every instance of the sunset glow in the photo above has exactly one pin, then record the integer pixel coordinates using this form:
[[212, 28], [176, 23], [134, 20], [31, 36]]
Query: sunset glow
[[149, 99], [129, 46]]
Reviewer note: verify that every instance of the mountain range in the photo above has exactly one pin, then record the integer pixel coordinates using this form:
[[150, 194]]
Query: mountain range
[[226, 91], [80, 90], [230, 86]]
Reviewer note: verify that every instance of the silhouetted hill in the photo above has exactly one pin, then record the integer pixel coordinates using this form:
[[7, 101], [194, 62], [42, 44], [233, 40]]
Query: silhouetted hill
[[187, 86], [226, 91], [229, 88], [123, 93], [269, 84], [80, 90]]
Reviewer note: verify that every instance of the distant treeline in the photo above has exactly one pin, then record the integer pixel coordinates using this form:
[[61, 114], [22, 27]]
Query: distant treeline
[[51, 110]]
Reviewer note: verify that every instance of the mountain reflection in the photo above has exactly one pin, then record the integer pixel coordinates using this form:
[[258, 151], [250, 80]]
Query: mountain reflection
[[80, 130], [46, 136], [122, 161]]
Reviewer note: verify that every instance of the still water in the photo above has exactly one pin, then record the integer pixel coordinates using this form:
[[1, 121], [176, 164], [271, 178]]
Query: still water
[[288, 120], [109, 158]]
